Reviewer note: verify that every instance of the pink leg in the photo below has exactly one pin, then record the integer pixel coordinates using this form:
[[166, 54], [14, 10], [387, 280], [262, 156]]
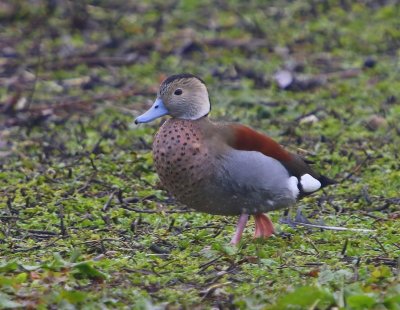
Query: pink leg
[[239, 229], [264, 226]]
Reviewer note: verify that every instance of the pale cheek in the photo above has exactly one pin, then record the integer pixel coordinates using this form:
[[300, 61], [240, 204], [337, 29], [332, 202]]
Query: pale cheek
[[186, 108]]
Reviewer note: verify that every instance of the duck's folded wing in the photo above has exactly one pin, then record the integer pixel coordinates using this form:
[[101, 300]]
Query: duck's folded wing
[[247, 139]]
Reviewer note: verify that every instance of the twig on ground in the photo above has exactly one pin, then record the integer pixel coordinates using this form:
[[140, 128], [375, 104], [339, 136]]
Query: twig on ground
[[334, 227], [207, 264], [346, 242], [356, 169], [36, 73], [37, 247], [109, 200], [381, 246], [152, 211]]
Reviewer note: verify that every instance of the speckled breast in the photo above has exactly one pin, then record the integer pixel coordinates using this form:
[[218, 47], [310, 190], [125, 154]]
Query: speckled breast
[[182, 160]]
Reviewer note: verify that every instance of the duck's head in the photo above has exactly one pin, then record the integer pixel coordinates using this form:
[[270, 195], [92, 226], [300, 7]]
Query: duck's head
[[183, 96]]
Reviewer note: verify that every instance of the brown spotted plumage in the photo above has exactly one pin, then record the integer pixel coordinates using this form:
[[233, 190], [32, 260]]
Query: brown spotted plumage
[[181, 158]]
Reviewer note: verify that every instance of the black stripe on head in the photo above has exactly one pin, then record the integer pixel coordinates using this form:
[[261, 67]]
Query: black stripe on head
[[180, 76]]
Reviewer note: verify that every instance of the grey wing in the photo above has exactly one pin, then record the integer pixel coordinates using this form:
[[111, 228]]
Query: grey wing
[[261, 182]]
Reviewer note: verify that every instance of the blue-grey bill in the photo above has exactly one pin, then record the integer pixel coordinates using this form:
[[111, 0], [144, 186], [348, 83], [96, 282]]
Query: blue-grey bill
[[157, 110]]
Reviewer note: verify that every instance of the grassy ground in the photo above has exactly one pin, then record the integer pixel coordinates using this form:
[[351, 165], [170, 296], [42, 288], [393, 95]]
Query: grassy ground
[[84, 222]]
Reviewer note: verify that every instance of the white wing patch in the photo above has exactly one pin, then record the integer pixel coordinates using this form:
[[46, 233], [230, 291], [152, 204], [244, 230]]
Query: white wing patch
[[309, 184], [292, 182]]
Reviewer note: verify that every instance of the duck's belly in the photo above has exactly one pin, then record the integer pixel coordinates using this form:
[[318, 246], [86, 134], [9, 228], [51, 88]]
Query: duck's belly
[[238, 182]]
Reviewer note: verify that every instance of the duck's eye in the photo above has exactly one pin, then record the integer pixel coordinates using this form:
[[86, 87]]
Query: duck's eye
[[178, 92]]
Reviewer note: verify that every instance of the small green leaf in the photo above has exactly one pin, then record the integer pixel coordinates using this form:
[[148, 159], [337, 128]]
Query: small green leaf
[[86, 270], [74, 255], [30, 267], [380, 272], [4, 281], [8, 266], [304, 297], [268, 262], [74, 297], [7, 303], [360, 301], [57, 263], [21, 278], [392, 303]]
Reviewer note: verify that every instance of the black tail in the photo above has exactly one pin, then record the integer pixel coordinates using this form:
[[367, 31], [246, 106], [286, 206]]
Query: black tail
[[325, 181]]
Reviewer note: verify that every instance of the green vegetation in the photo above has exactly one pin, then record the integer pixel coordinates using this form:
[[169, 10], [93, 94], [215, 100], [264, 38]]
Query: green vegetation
[[84, 222]]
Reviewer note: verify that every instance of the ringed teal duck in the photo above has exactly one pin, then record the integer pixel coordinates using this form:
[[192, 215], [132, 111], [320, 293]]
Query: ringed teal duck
[[223, 168]]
